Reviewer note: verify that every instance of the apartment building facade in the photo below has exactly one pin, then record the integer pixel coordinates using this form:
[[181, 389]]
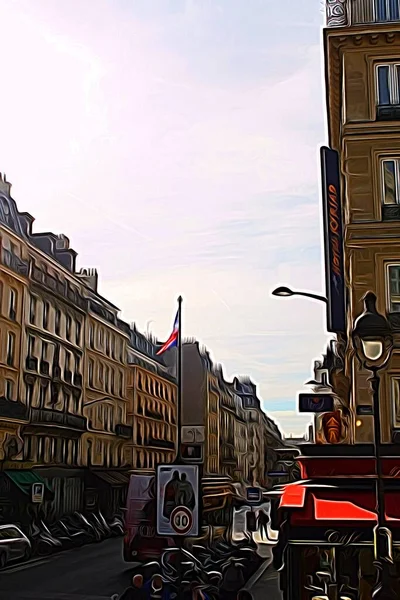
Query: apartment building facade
[[362, 59], [152, 395]]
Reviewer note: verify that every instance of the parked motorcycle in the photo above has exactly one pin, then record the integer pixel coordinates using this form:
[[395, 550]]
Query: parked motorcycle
[[43, 542]]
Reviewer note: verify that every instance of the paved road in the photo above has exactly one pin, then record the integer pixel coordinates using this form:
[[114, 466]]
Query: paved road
[[93, 572]]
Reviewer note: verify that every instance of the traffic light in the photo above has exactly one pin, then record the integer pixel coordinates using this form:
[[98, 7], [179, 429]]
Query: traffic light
[[192, 453]]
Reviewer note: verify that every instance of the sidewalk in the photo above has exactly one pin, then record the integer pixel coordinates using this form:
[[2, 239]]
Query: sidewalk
[[265, 582], [267, 586]]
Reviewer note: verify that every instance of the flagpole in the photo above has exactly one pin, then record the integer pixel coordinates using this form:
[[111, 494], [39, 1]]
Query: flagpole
[[179, 382]]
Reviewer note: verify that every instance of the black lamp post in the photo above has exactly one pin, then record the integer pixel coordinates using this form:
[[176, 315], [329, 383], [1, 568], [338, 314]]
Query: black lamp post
[[285, 292], [373, 342]]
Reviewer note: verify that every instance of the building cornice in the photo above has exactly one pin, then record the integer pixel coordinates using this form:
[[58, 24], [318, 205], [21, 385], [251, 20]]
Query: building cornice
[[335, 41]]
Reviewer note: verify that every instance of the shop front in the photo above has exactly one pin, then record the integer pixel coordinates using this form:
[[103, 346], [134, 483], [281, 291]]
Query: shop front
[[105, 490], [326, 537], [18, 502]]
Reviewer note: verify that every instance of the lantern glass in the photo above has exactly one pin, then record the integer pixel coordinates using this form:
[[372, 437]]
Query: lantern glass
[[372, 349]]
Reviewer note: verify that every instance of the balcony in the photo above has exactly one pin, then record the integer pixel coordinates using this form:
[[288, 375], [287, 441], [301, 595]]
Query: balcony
[[44, 367], [13, 410], [31, 363], [388, 113], [68, 376], [391, 212], [15, 263], [124, 431], [60, 288], [153, 414], [44, 416], [77, 379], [161, 443]]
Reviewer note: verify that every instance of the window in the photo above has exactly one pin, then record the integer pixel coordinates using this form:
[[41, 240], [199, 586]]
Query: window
[[77, 364], [9, 389], [46, 308], [121, 385], [388, 79], [67, 361], [29, 393], [91, 336], [10, 349], [78, 333], [107, 343], [386, 10], [107, 379], [101, 374], [90, 373], [45, 347], [57, 326], [12, 306], [396, 401], [390, 177], [32, 310], [31, 346], [112, 382], [68, 327], [101, 337], [43, 394], [394, 287]]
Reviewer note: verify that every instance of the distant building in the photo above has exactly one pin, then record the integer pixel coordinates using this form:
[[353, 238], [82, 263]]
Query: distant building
[[152, 394]]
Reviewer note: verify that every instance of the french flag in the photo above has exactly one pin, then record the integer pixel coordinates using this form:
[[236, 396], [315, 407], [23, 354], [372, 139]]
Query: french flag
[[173, 338]]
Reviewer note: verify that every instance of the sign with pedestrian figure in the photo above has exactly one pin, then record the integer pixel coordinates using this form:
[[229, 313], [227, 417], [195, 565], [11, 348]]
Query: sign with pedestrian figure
[[177, 500]]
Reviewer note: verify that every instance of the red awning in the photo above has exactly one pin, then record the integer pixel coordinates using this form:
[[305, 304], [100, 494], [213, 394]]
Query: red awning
[[327, 503]]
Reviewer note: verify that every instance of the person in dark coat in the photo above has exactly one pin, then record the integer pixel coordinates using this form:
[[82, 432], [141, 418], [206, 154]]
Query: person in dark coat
[[136, 591], [263, 520], [171, 494]]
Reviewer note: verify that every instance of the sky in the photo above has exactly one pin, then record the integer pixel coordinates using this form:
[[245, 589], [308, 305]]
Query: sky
[[176, 143]]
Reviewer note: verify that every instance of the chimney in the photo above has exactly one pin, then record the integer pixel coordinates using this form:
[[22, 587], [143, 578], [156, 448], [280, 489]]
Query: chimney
[[5, 186], [89, 277]]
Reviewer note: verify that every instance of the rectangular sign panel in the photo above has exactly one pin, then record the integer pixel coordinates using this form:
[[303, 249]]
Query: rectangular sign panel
[[333, 239], [178, 500], [253, 494], [37, 493], [315, 403]]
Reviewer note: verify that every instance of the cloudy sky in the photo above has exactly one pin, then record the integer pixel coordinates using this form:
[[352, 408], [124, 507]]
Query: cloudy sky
[[176, 143]]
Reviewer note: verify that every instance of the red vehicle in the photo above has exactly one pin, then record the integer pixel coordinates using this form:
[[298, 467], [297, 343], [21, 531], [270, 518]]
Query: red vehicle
[[326, 523], [141, 542]]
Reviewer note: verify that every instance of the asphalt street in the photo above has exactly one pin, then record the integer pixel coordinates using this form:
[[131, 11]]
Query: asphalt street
[[93, 572]]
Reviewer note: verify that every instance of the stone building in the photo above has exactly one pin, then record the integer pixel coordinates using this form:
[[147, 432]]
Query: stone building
[[152, 396], [362, 63]]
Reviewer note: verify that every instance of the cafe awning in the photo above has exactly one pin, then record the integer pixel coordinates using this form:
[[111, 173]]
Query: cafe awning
[[314, 504], [25, 479], [113, 478]]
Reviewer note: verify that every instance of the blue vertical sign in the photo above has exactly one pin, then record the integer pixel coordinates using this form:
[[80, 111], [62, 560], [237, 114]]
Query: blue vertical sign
[[333, 238]]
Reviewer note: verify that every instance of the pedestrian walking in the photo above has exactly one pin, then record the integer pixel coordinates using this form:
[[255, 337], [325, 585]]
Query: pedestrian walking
[[263, 520]]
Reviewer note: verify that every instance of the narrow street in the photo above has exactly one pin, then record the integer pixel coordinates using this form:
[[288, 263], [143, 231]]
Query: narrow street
[[93, 572]]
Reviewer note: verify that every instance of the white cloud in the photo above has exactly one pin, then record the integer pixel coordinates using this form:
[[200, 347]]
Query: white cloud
[[170, 182], [290, 420]]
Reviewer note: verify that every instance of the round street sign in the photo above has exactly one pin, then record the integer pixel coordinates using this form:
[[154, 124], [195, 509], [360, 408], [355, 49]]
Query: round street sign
[[181, 520]]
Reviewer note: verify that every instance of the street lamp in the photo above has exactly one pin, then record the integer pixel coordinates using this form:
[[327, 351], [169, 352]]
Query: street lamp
[[285, 292], [373, 342]]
